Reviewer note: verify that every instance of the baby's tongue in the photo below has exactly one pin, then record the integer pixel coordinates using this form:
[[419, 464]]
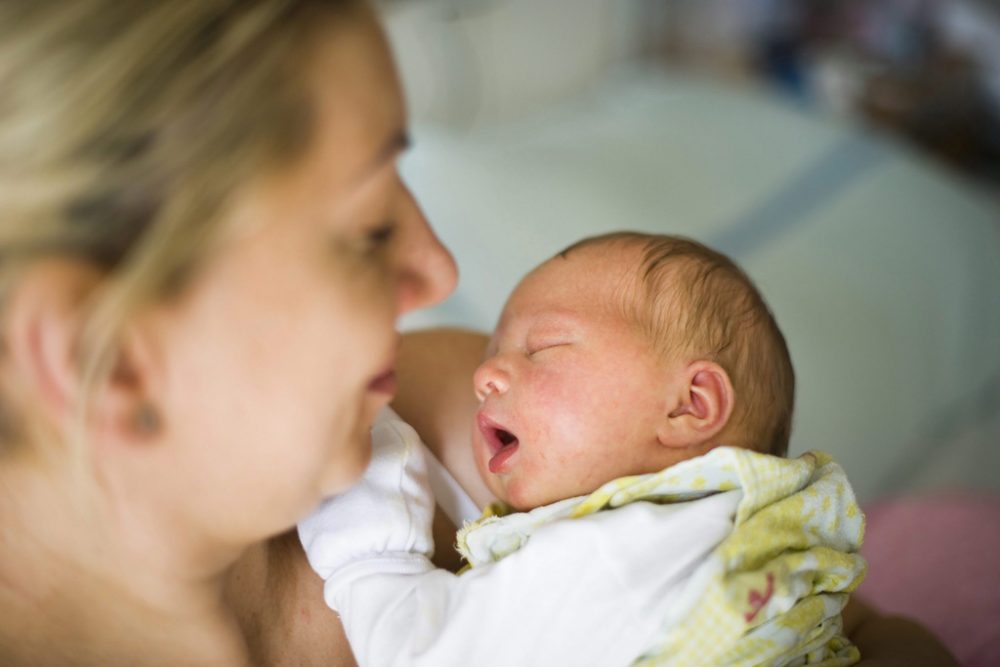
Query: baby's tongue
[[499, 460]]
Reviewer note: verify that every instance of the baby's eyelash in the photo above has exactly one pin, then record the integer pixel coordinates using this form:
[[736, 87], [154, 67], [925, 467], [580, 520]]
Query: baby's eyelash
[[544, 345]]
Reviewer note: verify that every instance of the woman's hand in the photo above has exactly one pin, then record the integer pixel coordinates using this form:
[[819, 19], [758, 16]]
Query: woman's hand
[[887, 641]]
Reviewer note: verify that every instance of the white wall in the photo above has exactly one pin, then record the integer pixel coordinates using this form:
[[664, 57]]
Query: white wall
[[471, 62]]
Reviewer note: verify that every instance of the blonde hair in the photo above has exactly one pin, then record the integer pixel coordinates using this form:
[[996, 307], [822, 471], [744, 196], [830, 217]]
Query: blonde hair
[[701, 304], [125, 127]]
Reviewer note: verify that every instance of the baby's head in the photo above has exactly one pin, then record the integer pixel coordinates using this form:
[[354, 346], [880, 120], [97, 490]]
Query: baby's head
[[621, 355]]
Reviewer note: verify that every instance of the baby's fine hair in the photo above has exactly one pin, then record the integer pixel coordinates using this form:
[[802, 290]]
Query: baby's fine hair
[[700, 304]]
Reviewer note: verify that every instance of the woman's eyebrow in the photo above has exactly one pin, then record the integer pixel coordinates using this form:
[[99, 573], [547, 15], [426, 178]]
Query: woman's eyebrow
[[398, 142]]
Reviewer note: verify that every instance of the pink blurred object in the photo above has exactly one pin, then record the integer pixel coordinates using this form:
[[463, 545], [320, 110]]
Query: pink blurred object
[[937, 559]]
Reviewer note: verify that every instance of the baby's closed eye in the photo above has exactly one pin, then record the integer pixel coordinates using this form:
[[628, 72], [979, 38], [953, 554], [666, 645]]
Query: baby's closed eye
[[534, 347]]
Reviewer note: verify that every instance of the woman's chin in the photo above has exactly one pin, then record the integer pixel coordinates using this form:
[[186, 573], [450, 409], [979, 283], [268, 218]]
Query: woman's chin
[[347, 468]]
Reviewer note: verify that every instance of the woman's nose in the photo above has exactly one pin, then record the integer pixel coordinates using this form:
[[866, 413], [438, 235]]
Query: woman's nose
[[427, 272], [490, 378]]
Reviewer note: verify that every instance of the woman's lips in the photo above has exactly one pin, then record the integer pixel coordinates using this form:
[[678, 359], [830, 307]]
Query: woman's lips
[[502, 444], [384, 383]]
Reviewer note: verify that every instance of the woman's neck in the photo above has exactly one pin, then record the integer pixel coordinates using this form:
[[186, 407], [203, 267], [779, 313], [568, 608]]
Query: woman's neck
[[74, 590]]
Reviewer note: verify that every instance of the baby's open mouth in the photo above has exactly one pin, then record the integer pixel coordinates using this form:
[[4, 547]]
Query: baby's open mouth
[[501, 442]]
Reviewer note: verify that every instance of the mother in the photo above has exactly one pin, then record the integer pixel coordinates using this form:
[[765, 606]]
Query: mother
[[204, 246]]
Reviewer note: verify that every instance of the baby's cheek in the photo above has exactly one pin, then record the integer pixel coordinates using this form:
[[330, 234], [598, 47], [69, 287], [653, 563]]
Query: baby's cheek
[[564, 403]]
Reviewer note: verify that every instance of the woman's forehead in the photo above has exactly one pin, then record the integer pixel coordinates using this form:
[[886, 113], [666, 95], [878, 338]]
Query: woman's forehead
[[358, 112]]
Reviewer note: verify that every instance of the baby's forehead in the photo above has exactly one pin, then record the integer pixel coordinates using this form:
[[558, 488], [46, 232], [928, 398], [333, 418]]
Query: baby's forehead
[[593, 266], [582, 285]]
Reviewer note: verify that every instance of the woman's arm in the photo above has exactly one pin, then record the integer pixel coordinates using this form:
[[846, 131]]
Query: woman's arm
[[435, 382], [436, 398]]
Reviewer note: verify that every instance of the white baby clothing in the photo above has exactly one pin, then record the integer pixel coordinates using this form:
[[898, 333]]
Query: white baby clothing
[[531, 608]]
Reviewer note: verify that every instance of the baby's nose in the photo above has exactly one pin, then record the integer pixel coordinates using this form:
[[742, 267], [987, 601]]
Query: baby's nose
[[490, 388], [490, 378]]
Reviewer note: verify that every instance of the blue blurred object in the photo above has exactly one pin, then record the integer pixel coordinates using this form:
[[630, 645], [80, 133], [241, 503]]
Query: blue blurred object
[[782, 62]]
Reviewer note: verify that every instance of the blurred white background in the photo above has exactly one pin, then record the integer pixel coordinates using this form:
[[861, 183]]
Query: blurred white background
[[845, 152], [538, 122]]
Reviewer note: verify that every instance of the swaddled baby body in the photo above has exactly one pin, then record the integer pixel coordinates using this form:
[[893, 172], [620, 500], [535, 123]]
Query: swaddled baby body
[[633, 373]]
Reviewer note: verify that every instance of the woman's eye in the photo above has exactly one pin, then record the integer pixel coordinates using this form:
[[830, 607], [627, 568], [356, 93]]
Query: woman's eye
[[380, 236]]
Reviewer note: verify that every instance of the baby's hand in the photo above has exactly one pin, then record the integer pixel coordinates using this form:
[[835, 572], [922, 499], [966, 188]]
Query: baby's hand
[[382, 521]]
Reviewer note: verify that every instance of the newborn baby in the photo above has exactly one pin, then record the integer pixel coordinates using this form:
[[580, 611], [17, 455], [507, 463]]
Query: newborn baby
[[636, 397], [626, 354]]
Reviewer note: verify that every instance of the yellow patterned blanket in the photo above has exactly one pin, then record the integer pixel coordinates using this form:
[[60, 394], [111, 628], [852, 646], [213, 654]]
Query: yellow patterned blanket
[[771, 593]]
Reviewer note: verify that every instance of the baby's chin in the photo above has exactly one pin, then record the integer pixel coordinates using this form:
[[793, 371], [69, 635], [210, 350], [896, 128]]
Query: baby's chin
[[498, 487], [516, 492], [523, 497]]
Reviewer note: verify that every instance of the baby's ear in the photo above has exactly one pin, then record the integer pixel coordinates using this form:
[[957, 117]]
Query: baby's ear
[[700, 405]]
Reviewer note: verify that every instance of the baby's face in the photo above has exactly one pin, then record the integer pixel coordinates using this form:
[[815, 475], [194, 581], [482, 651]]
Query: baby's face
[[571, 394]]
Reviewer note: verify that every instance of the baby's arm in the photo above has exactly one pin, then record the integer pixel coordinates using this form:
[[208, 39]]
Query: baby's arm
[[590, 591]]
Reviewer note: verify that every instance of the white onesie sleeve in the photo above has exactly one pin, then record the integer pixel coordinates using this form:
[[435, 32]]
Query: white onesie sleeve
[[588, 591]]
